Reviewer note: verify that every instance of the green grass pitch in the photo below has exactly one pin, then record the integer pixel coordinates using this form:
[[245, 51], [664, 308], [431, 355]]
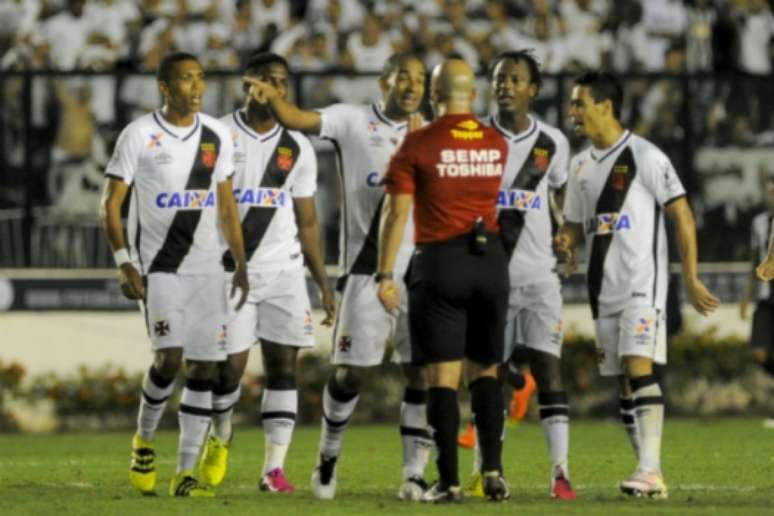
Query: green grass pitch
[[714, 466]]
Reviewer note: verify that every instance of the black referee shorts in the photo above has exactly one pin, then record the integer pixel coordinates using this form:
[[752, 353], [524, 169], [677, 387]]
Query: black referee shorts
[[458, 302], [762, 335]]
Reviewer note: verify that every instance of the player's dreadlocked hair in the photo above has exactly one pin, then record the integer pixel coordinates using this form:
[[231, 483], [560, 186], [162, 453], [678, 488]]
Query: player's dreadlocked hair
[[259, 60], [394, 61], [168, 62], [525, 55], [603, 86]]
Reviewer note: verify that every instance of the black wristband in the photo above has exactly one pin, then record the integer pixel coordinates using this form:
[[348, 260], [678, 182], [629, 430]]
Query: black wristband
[[379, 276]]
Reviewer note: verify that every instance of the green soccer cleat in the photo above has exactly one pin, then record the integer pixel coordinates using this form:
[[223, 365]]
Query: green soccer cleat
[[214, 461], [184, 484], [475, 486], [142, 469]]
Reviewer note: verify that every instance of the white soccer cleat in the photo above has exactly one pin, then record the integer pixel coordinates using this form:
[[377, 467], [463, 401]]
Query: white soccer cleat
[[323, 481], [645, 484], [412, 489]]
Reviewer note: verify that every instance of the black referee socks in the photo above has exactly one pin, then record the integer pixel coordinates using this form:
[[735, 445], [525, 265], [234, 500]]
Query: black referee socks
[[486, 401], [443, 416]]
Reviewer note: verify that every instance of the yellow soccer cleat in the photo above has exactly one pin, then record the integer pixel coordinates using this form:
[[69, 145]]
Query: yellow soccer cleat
[[184, 484], [475, 486], [214, 461], [142, 469]]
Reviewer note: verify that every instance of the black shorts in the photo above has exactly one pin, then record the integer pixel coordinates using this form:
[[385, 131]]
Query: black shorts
[[762, 335], [458, 302]]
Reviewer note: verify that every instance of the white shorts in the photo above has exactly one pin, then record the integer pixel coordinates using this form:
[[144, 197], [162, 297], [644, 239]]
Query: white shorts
[[277, 310], [534, 318], [189, 312], [364, 328], [637, 331]]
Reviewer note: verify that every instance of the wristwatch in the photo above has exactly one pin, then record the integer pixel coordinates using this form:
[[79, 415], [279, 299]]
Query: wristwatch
[[379, 276]]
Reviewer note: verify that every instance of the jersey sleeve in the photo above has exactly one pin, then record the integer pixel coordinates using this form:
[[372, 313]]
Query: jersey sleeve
[[305, 182], [126, 156], [224, 167], [660, 178], [336, 121], [400, 175], [557, 174], [573, 204]]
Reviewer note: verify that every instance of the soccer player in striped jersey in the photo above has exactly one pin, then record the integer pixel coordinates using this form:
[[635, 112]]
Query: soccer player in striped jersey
[[179, 163], [365, 137], [538, 157], [618, 191], [274, 185]]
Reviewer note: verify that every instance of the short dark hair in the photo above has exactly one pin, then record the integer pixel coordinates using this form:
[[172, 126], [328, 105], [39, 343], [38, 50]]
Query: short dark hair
[[392, 64], [168, 62], [258, 60], [526, 55], [603, 86]]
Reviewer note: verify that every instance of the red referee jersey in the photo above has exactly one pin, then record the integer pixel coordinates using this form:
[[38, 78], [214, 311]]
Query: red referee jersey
[[453, 167]]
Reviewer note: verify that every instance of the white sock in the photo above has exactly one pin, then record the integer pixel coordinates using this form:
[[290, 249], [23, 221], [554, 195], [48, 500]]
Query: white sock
[[555, 418], [194, 414], [278, 411], [336, 414], [222, 411], [153, 402], [630, 424], [416, 438], [649, 414]]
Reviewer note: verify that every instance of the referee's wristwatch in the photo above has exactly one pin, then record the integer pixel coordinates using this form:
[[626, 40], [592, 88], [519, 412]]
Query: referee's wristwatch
[[379, 276]]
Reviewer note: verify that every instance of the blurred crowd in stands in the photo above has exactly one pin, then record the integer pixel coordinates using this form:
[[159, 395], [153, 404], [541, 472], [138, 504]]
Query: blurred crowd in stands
[[697, 74]]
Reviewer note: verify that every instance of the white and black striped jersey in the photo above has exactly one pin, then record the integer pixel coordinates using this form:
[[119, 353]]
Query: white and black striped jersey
[[271, 169], [537, 161], [365, 139], [618, 194], [760, 234], [173, 208]]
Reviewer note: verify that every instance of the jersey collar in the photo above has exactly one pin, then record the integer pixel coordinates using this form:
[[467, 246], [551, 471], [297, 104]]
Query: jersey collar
[[605, 154], [170, 129], [381, 116], [240, 116], [516, 138]]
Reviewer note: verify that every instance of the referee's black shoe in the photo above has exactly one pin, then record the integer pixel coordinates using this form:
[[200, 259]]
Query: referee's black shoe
[[496, 487], [437, 494]]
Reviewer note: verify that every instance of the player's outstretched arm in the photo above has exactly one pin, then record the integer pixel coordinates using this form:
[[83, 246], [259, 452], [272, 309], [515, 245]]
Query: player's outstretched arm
[[395, 213], [569, 236], [287, 114], [701, 298], [110, 213], [228, 216], [311, 246]]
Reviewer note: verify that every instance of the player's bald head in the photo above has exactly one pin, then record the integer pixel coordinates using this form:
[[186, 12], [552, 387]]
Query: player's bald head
[[453, 81]]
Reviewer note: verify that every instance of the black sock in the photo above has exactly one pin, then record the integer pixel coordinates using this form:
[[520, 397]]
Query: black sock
[[443, 416], [486, 401]]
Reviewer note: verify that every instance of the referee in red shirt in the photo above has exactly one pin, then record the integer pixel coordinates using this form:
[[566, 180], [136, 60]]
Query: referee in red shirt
[[458, 279]]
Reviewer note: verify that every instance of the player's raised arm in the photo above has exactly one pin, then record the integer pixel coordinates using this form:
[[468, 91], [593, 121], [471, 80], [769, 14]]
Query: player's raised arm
[[702, 299], [311, 246], [287, 114], [228, 215], [110, 213]]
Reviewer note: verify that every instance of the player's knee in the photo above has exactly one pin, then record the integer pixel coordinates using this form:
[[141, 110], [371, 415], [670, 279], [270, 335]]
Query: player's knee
[[167, 362], [416, 377], [278, 359], [350, 379], [547, 371], [227, 376], [636, 366], [200, 370]]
